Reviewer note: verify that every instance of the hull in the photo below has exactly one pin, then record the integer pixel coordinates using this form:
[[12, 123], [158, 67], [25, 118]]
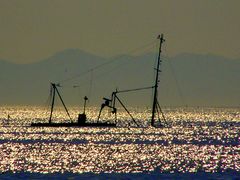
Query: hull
[[73, 125]]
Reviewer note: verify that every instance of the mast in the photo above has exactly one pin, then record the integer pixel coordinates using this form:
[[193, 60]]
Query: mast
[[54, 89], [53, 100], [155, 96]]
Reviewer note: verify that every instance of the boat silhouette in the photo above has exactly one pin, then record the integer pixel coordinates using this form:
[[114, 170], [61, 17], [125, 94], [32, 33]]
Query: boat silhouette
[[109, 103], [82, 118]]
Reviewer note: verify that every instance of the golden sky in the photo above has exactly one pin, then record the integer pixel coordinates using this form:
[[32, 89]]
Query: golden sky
[[32, 30]]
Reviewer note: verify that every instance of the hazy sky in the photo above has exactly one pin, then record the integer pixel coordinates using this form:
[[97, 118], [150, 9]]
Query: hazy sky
[[31, 30]]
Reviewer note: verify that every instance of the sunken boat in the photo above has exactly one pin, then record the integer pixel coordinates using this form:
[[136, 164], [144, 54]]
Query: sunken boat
[[82, 118], [111, 103]]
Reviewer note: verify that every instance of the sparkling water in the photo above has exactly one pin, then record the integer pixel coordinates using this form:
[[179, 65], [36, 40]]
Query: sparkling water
[[193, 140]]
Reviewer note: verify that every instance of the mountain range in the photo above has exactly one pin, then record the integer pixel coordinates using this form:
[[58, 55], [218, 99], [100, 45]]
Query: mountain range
[[185, 80]]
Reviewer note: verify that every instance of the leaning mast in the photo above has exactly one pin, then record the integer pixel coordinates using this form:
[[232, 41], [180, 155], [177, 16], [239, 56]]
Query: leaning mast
[[155, 97]]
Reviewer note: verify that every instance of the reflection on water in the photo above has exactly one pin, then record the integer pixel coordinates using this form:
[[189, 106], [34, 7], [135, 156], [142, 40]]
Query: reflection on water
[[198, 140]]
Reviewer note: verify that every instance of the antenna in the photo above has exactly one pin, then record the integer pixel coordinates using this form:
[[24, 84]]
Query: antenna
[[155, 97], [84, 106]]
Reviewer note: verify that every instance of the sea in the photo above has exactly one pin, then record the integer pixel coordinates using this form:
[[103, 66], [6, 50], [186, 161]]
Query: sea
[[193, 143]]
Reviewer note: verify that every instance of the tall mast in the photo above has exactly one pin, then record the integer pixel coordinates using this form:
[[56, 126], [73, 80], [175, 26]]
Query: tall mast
[[155, 97]]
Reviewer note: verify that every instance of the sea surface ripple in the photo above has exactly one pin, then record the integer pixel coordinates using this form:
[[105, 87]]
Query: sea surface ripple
[[203, 140]]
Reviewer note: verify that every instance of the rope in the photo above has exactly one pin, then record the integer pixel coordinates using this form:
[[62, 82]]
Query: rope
[[154, 65], [177, 83], [137, 89], [47, 103], [100, 75], [106, 63], [90, 85]]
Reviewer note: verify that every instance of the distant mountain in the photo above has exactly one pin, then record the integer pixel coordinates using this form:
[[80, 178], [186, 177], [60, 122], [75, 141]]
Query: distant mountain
[[205, 80], [186, 79]]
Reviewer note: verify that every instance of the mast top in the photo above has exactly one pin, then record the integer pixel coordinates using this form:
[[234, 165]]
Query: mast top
[[161, 38]]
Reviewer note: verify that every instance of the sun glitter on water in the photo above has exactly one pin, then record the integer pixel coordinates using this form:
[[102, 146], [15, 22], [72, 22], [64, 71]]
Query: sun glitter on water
[[199, 140]]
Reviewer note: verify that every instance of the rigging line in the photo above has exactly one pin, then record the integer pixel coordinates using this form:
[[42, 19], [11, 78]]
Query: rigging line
[[137, 89], [163, 116], [63, 103], [90, 85], [106, 63], [159, 120], [127, 110], [179, 90], [177, 83], [154, 65], [47, 103], [122, 91], [97, 77], [102, 74], [148, 49]]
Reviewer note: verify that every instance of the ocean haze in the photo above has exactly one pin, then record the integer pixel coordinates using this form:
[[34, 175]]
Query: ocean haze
[[186, 79], [33, 30]]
